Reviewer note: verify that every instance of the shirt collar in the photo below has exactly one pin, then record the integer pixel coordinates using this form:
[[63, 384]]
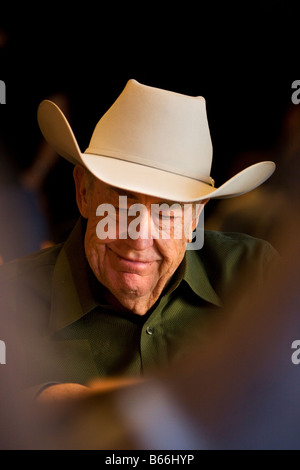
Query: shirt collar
[[192, 270], [72, 295], [195, 274]]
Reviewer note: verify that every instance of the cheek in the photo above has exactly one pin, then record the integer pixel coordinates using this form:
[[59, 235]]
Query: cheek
[[98, 233], [91, 238], [94, 247], [172, 251]]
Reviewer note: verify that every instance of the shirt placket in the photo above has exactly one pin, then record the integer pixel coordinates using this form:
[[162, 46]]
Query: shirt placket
[[153, 344]]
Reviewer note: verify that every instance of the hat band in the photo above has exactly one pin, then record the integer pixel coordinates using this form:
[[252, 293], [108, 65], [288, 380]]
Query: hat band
[[145, 162]]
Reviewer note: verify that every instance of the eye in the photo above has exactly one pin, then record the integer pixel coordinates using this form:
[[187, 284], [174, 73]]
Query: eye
[[166, 216], [157, 215]]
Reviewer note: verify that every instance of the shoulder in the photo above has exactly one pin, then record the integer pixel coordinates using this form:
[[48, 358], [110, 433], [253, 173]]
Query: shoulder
[[237, 245], [26, 286], [29, 265], [230, 257]]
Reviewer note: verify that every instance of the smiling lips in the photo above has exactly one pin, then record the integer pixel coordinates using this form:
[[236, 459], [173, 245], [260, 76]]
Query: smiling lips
[[131, 263]]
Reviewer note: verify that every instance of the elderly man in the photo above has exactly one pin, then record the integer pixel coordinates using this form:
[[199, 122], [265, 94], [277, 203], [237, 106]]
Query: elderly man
[[128, 292]]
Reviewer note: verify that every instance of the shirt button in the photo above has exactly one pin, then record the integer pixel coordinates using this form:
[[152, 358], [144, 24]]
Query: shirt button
[[149, 330]]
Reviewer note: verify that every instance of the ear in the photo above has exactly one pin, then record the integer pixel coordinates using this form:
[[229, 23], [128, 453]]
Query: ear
[[81, 191], [200, 207]]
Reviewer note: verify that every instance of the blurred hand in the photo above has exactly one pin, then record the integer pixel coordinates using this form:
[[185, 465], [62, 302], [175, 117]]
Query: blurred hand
[[59, 392], [67, 391], [113, 383]]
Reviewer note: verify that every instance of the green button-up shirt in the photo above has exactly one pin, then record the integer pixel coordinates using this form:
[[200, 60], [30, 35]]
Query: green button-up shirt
[[69, 333]]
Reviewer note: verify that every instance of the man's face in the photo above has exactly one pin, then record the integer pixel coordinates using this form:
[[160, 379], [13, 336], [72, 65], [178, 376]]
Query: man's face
[[134, 265]]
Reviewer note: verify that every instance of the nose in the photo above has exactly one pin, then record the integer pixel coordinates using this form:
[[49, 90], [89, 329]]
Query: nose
[[140, 243], [139, 228]]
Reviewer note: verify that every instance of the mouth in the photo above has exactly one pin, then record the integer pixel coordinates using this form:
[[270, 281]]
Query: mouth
[[130, 263]]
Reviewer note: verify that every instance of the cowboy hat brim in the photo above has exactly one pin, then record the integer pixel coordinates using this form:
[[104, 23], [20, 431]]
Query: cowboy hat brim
[[139, 178]]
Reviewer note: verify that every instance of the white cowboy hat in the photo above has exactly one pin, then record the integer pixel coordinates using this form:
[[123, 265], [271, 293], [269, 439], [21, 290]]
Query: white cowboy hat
[[151, 141]]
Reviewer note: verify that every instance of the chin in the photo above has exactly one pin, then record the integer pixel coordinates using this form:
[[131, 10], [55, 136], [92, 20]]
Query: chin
[[132, 286]]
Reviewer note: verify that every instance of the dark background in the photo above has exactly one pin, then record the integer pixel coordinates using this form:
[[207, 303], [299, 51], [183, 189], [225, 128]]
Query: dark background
[[241, 57]]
